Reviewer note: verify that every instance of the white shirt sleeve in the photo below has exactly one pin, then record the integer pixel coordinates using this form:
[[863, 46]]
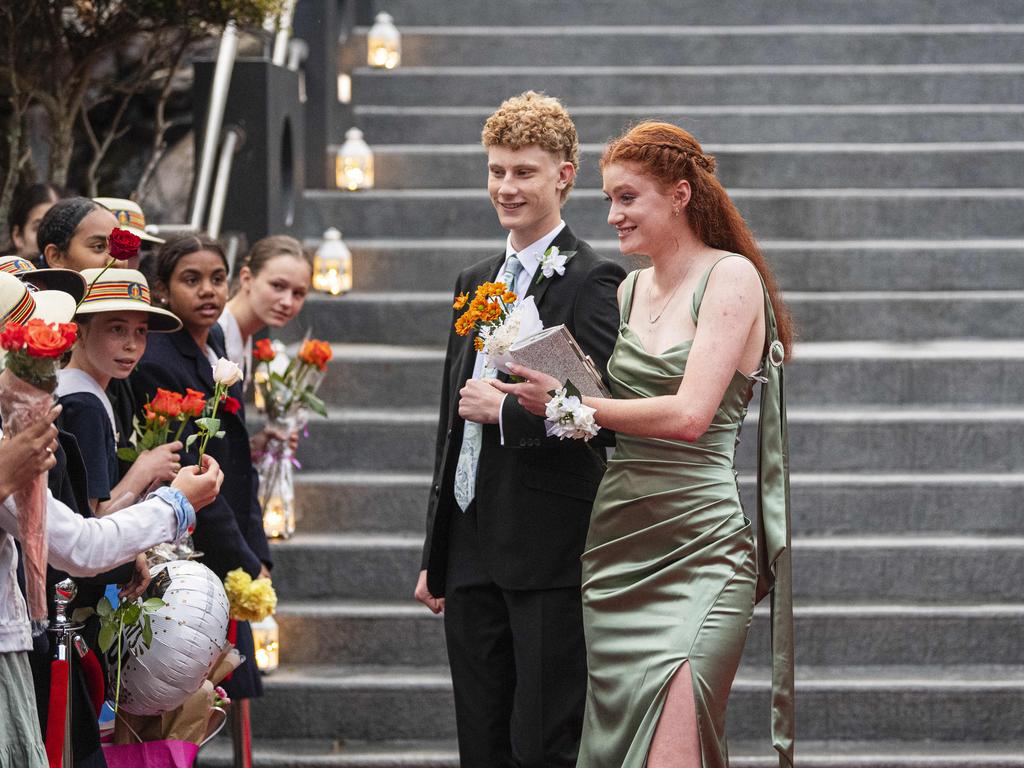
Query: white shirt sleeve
[[88, 546]]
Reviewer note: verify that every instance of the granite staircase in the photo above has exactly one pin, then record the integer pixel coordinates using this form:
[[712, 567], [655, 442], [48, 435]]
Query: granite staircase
[[877, 149]]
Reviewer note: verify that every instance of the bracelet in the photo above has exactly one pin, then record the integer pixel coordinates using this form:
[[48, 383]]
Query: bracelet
[[567, 416], [182, 507]]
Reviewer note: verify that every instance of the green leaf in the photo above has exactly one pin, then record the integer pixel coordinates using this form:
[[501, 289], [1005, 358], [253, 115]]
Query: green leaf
[[147, 633], [104, 608], [314, 403], [132, 612], [153, 604], [191, 439], [81, 614], [571, 390], [108, 633], [127, 454], [220, 434]]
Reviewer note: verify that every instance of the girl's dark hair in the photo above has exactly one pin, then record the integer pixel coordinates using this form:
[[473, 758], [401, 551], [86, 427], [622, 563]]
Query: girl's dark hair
[[60, 222], [170, 253], [270, 248], [28, 198]]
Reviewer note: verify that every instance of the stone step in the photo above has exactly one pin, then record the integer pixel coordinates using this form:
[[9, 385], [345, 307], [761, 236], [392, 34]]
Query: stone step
[[917, 703], [774, 214], [352, 633], [843, 504], [841, 373], [854, 568], [853, 265], [284, 753], [669, 45], [828, 166], [902, 316], [726, 84], [664, 12], [899, 123], [825, 439]]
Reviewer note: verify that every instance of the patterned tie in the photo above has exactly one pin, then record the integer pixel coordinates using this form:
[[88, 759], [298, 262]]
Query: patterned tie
[[469, 454]]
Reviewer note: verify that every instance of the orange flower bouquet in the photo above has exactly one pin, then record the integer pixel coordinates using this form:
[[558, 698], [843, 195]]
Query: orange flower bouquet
[[33, 352], [161, 413], [285, 391], [498, 319]]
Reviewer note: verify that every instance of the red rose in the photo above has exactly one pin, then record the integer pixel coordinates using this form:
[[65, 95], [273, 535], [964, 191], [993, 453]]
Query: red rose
[[263, 351], [231, 404], [123, 244], [43, 340], [13, 337], [69, 331], [193, 403]]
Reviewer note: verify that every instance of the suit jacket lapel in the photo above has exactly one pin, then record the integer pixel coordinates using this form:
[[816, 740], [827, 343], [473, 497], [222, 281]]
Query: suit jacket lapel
[[187, 346], [565, 241]]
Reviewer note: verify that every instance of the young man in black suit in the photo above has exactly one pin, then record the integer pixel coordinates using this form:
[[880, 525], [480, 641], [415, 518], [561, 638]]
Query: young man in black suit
[[509, 507]]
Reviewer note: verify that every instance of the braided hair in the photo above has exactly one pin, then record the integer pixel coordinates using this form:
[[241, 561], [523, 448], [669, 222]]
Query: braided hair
[[61, 222], [670, 154]]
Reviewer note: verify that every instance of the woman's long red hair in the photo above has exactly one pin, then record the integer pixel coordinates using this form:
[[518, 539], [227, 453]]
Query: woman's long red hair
[[671, 154]]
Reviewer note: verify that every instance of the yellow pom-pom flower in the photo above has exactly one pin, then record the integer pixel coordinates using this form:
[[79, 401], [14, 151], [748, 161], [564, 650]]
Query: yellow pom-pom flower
[[249, 599]]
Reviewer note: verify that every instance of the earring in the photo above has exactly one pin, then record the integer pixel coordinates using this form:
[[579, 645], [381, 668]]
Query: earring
[[675, 211]]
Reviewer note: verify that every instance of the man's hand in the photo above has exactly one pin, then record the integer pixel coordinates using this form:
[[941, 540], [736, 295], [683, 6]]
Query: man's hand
[[435, 604], [532, 392], [28, 454], [480, 402]]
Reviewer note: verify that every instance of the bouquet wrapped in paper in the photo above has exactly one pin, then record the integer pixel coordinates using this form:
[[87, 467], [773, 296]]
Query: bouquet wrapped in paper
[[33, 350], [285, 391], [499, 320]]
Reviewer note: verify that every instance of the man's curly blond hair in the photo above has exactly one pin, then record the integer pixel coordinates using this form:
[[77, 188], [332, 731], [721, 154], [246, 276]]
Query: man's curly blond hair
[[533, 118]]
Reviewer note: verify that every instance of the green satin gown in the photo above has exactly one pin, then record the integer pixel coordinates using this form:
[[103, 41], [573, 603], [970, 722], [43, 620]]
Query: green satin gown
[[671, 570]]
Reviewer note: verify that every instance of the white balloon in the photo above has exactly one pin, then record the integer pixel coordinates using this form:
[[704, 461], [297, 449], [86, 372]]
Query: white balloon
[[189, 632]]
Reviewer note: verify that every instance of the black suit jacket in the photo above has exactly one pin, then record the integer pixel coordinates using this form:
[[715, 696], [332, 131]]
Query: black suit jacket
[[230, 530], [534, 493]]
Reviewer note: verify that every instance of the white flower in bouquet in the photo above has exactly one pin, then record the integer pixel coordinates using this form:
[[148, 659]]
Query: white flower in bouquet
[[226, 373], [521, 322]]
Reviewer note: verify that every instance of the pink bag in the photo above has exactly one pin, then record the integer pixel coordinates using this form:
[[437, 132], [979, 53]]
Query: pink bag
[[151, 754]]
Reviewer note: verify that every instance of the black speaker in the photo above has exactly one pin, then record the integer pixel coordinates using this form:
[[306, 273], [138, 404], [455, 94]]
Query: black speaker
[[268, 175]]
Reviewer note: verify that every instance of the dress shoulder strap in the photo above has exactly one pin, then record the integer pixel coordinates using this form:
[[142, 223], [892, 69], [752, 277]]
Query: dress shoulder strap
[[627, 296], [702, 286]]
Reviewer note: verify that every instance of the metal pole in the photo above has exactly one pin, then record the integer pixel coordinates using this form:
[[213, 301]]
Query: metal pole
[[214, 119], [63, 630], [220, 185], [284, 32]]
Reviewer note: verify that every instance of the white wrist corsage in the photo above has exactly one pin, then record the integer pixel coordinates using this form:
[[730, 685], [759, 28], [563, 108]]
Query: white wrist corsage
[[567, 416], [553, 261]]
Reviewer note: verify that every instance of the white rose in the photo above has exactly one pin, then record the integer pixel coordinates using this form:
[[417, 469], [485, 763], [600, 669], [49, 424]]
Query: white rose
[[226, 372]]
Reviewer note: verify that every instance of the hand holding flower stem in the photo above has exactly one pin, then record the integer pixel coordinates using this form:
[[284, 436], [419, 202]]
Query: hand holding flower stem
[[225, 375]]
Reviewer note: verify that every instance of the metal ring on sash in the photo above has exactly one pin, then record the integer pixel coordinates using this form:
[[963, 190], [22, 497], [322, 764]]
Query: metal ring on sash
[[776, 353]]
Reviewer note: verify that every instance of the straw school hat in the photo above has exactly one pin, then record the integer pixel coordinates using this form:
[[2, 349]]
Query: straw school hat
[[19, 304], [129, 216], [125, 290], [66, 280]]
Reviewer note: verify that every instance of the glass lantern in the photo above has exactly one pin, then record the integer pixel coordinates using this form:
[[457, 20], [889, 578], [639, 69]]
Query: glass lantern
[[353, 163], [383, 43], [267, 642], [332, 265]]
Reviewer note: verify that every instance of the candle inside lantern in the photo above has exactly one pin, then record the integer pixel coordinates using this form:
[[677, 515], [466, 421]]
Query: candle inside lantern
[[383, 43], [267, 643]]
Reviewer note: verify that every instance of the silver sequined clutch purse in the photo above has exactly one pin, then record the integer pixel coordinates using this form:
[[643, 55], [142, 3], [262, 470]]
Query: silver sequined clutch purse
[[554, 351]]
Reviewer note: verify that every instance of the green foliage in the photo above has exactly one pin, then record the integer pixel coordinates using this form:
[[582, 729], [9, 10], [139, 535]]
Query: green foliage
[[118, 624]]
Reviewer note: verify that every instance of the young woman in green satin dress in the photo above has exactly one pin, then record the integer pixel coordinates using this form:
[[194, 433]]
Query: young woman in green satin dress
[[671, 571]]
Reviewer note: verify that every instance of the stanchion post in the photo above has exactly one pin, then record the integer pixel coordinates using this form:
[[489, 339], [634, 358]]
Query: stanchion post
[[63, 630]]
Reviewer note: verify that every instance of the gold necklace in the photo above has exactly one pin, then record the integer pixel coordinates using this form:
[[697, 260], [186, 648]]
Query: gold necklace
[[650, 297]]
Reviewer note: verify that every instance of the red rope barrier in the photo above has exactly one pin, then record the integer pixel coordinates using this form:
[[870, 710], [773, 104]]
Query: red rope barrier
[[56, 716], [93, 680]]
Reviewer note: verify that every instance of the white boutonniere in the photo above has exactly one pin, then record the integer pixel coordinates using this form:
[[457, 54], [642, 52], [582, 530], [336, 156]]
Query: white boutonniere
[[552, 261]]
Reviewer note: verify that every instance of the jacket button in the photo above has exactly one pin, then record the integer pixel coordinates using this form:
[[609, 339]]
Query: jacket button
[[522, 442], [437, 489]]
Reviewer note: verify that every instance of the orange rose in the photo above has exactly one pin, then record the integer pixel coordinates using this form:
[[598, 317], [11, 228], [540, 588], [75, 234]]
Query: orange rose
[[263, 351], [167, 403], [193, 403], [316, 353], [153, 417], [43, 340]]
